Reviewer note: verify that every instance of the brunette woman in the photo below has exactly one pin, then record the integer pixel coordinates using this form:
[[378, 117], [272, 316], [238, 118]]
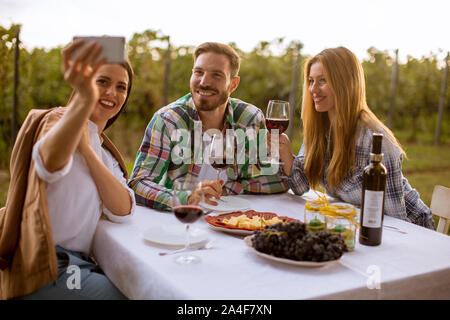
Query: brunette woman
[[75, 175]]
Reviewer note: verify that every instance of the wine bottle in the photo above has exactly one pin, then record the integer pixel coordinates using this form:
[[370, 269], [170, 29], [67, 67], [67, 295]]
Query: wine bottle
[[373, 193]]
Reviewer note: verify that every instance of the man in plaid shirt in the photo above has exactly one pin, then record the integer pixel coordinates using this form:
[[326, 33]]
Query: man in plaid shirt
[[164, 157]]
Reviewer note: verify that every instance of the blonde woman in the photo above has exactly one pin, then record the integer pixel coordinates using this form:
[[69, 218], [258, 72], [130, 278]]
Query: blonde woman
[[338, 127]]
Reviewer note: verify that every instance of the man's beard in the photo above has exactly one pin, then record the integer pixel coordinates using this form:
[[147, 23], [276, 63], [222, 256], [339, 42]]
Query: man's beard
[[208, 104]]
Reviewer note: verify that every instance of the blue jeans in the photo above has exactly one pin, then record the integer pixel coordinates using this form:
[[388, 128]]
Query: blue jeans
[[79, 278]]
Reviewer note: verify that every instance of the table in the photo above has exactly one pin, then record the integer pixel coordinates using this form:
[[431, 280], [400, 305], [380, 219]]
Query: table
[[415, 265]]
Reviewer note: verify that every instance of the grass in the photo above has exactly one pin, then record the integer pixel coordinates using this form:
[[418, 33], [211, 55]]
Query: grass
[[421, 158], [426, 167]]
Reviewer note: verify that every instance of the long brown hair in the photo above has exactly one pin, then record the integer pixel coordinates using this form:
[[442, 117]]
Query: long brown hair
[[129, 69], [345, 77]]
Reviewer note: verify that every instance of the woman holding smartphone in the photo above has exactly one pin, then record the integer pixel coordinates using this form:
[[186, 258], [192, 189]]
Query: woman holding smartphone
[[337, 133], [76, 174]]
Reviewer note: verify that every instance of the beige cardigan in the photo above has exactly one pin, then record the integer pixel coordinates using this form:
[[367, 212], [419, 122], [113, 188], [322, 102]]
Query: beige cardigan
[[27, 250]]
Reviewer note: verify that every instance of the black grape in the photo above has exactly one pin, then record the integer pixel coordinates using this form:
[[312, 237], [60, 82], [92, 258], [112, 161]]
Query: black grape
[[294, 241]]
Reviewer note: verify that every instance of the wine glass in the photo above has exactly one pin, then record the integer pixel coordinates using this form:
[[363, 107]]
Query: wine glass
[[277, 117], [217, 154], [187, 213]]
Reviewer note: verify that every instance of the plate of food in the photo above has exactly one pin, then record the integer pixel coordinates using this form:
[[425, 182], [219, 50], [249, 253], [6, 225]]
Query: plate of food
[[244, 222], [309, 264], [296, 245]]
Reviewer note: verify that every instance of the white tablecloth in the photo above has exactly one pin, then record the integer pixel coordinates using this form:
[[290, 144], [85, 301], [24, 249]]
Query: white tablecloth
[[415, 265]]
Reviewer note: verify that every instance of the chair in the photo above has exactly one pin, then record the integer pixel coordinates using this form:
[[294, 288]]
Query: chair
[[440, 206]]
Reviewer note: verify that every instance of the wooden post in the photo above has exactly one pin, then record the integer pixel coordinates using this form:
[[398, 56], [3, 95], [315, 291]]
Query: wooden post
[[14, 123], [393, 92], [437, 134], [294, 88], [165, 93]]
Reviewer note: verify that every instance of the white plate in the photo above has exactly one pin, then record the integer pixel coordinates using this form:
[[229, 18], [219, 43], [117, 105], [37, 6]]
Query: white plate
[[309, 264], [174, 235], [233, 231], [228, 204]]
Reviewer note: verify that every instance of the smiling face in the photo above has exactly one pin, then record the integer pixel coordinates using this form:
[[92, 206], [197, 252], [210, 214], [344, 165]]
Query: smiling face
[[112, 82], [211, 82], [319, 89]]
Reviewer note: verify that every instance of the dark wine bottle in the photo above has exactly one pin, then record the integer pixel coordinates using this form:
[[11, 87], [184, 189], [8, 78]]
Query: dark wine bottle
[[373, 193]]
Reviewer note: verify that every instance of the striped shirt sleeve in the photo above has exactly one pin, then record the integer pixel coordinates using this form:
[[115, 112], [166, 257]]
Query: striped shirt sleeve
[[298, 182], [151, 164], [401, 200]]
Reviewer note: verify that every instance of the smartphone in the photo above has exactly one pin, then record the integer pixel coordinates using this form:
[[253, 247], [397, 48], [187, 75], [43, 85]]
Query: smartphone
[[113, 48]]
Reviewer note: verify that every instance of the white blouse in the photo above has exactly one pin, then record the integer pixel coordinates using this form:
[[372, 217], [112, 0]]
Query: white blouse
[[74, 204]]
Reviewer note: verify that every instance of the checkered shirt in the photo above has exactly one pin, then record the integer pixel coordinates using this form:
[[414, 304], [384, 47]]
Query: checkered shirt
[[155, 171], [401, 200]]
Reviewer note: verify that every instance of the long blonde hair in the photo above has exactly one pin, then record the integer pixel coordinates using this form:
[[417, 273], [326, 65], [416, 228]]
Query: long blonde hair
[[345, 77]]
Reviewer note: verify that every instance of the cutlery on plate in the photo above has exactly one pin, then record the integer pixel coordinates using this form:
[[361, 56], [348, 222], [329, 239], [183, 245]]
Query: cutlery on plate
[[199, 246], [394, 229]]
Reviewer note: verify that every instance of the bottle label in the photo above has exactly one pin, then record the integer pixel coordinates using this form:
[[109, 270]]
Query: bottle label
[[373, 209]]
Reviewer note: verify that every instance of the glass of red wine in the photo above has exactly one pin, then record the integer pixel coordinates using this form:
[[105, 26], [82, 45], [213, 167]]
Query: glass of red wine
[[217, 154], [277, 117], [187, 213]]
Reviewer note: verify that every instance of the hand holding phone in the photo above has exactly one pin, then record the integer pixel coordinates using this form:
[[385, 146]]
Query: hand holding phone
[[113, 48]]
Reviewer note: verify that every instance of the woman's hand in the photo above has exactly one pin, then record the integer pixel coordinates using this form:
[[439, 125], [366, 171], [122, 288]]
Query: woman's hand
[[285, 151], [79, 70], [208, 189], [64, 137], [286, 155]]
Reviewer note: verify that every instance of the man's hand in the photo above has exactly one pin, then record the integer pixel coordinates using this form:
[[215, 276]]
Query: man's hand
[[207, 190]]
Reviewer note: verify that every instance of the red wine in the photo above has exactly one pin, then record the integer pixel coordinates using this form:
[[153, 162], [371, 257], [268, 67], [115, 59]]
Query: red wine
[[275, 123], [188, 213], [373, 192]]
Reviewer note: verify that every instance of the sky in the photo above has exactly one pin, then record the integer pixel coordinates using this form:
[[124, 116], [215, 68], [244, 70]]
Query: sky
[[415, 27]]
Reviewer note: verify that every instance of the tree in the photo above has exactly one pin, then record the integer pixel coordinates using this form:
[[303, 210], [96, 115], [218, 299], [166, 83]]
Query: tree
[[418, 92], [6, 91], [377, 71], [437, 135]]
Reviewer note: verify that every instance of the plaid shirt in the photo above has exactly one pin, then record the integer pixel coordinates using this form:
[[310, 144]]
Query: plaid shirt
[[401, 201], [155, 169]]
